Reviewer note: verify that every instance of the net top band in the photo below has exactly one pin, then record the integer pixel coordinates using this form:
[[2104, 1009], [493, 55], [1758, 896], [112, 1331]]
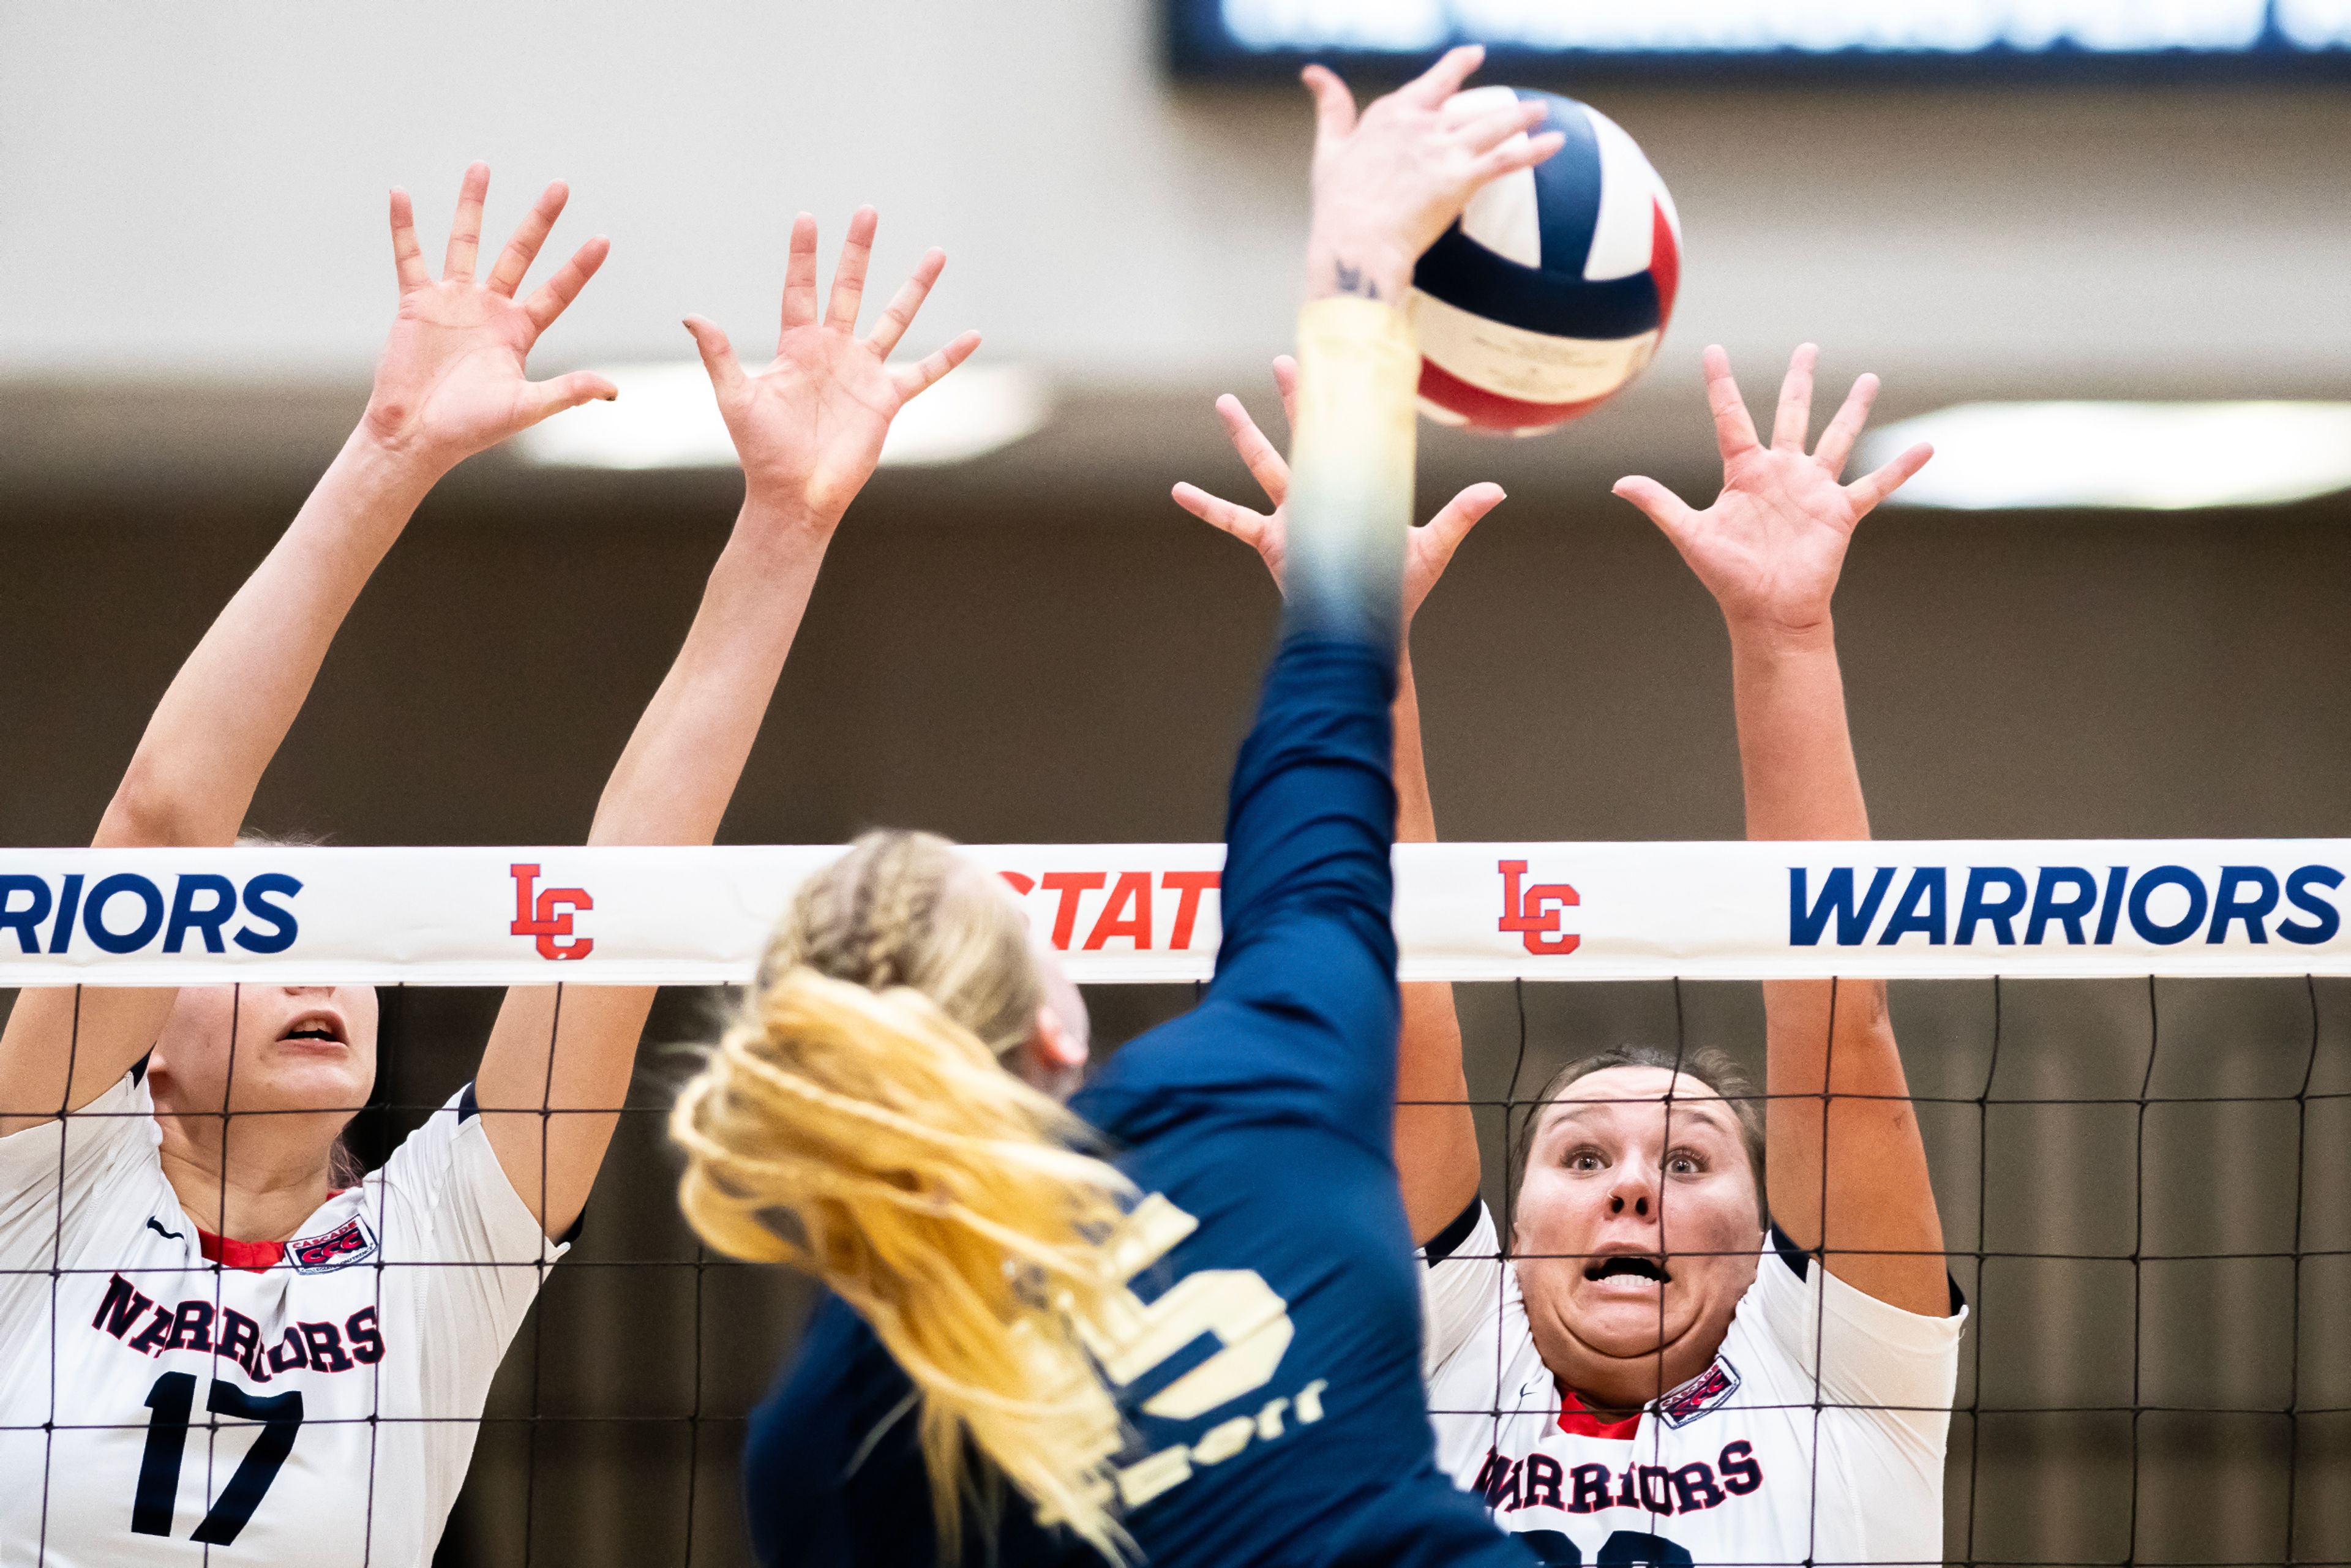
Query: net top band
[[1146, 913]]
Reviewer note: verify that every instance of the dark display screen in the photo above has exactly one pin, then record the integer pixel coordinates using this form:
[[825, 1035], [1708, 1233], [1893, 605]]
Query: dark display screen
[[2188, 38]]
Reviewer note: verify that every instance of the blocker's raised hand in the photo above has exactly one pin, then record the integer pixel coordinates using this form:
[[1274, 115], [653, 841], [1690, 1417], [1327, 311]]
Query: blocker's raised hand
[[451, 382], [1428, 548], [808, 428], [1771, 547]]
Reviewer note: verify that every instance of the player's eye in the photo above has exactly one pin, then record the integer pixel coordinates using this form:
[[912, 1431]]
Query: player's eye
[[1586, 1159], [1684, 1161]]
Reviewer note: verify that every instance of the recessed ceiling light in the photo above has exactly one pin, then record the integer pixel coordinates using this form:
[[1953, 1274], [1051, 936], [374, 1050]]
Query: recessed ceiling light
[[2156, 457], [666, 417]]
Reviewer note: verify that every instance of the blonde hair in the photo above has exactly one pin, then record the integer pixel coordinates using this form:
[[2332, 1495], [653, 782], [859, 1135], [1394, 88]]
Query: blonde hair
[[854, 1121]]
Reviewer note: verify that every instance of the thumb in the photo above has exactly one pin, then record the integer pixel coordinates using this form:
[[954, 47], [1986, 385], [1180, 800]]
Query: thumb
[[717, 356], [1452, 524], [1660, 505], [1335, 106], [552, 397]]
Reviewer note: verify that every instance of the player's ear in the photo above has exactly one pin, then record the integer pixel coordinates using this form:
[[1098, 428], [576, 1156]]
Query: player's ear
[[1053, 1059], [1056, 1045]]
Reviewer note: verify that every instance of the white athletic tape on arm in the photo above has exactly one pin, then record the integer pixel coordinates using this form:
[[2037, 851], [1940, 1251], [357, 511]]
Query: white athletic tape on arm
[[1133, 913]]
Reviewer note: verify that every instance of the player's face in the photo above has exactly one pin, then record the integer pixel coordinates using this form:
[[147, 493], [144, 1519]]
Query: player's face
[[269, 1048], [1638, 1231]]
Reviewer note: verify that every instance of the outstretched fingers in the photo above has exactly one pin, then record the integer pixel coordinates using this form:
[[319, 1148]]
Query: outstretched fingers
[[528, 236], [407, 255], [1837, 441], [900, 313], [1453, 522], [1734, 433], [799, 274], [1442, 79], [1793, 426], [912, 380], [1258, 454], [1335, 106], [1215, 511], [717, 356], [555, 296], [1672, 515], [849, 271], [550, 397], [1489, 131], [1513, 156], [1872, 488], [465, 228]]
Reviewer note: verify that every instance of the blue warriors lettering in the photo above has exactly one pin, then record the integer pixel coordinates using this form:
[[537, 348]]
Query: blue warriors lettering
[[128, 912], [2016, 906]]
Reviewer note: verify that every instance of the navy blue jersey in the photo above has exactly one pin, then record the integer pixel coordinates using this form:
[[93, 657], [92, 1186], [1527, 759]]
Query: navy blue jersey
[[1271, 1370]]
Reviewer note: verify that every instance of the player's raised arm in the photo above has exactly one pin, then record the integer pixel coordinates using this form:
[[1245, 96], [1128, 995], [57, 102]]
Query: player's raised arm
[[1435, 1135], [451, 383], [809, 429], [1769, 549]]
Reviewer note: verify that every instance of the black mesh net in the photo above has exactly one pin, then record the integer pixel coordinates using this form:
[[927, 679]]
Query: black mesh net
[[2145, 1185]]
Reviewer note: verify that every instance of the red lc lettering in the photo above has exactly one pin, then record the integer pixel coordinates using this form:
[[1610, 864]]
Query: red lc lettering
[[1535, 916], [550, 916]]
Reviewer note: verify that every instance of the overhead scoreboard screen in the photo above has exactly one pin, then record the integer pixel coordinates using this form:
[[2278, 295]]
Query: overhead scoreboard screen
[[1210, 39]]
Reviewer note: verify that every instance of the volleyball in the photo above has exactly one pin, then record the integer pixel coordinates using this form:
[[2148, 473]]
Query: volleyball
[[1553, 290]]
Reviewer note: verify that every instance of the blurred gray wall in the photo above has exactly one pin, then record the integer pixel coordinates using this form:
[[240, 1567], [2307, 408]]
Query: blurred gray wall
[[201, 192]]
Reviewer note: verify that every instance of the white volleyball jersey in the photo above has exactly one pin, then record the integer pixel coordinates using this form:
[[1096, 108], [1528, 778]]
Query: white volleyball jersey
[[170, 1398], [1758, 1461]]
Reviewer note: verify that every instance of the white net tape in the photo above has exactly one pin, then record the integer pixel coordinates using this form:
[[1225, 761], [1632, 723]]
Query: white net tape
[[1143, 913]]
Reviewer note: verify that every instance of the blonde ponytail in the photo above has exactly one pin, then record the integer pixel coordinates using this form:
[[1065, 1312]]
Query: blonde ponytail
[[869, 1136]]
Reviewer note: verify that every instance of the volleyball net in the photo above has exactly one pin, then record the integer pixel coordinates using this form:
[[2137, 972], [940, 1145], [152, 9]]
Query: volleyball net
[[2131, 1062]]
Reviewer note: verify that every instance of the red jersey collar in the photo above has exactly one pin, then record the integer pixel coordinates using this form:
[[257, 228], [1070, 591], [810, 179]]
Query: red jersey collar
[[1578, 1420], [253, 1256]]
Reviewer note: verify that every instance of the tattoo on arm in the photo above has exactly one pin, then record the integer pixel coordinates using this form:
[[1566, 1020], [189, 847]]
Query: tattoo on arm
[[1352, 280]]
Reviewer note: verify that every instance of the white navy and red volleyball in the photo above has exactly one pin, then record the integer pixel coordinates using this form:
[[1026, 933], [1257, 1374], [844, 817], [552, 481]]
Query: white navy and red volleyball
[[1554, 288]]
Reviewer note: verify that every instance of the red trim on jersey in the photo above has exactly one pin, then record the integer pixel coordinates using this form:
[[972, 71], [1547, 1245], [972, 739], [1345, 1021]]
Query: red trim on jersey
[[253, 1256], [1577, 1420]]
